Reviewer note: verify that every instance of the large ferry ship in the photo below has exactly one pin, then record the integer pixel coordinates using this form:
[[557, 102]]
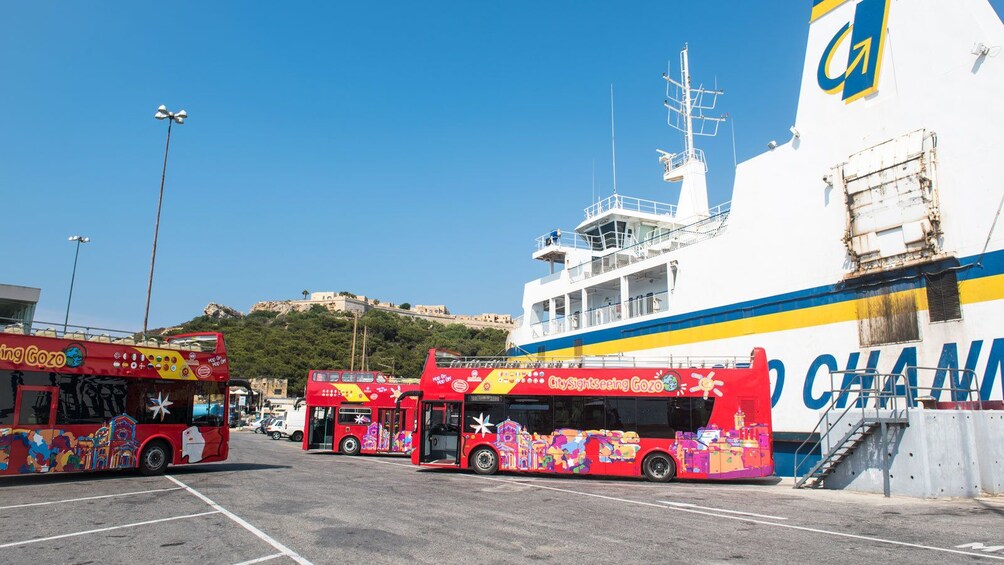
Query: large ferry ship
[[866, 241]]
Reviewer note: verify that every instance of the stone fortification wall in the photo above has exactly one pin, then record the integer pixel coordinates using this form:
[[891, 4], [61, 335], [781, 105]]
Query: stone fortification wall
[[361, 305]]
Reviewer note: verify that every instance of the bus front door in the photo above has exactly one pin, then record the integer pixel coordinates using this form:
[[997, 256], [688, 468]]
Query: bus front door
[[441, 433], [321, 430], [35, 413]]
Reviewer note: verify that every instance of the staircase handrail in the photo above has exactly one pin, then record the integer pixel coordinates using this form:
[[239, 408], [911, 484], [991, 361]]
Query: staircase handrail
[[881, 390]]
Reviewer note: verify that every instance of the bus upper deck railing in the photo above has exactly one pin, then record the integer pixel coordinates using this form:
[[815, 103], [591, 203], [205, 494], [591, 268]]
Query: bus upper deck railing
[[595, 362], [205, 344]]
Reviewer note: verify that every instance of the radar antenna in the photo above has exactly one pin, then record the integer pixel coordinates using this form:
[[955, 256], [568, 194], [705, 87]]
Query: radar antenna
[[688, 107]]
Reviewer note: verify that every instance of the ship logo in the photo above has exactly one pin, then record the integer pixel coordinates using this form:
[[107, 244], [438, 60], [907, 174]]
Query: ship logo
[[864, 56]]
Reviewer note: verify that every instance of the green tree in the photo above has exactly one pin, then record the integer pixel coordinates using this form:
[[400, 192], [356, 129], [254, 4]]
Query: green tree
[[267, 344]]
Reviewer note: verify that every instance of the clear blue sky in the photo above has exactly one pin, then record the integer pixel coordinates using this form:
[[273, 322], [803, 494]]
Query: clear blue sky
[[408, 151]]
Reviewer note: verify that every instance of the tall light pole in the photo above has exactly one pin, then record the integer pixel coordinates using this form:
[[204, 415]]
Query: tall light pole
[[79, 239], [162, 113]]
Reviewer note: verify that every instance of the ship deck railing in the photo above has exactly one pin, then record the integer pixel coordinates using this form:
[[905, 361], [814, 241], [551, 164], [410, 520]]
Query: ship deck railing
[[637, 307], [102, 335], [661, 240], [630, 204], [532, 361]]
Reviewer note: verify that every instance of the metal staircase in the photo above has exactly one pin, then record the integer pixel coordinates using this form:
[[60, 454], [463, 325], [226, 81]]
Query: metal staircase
[[865, 403]]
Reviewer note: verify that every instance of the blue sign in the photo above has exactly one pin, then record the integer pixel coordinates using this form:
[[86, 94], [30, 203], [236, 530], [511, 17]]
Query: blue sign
[[864, 56]]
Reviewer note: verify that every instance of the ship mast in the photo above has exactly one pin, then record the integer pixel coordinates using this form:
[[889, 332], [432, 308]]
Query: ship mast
[[686, 106]]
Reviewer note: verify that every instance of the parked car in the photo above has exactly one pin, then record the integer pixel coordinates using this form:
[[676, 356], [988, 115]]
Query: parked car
[[262, 427], [274, 428]]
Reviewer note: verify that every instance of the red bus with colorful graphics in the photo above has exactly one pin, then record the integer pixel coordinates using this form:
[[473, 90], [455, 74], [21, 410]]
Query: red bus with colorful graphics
[[80, 402], [685, 418], [355, 412]]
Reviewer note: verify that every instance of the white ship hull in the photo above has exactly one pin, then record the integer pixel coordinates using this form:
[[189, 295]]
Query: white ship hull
[[827, 259]]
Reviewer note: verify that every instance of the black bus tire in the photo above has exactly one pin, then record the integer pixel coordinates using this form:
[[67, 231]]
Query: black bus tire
[[155, 458], [349, 446], [484, 461], [659, 468], [297, 436]]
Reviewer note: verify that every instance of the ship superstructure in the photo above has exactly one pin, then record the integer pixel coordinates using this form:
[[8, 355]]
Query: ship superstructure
[[866, 241]]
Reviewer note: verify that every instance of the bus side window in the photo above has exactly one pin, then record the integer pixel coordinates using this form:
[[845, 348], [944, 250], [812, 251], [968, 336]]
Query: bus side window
[[700, 413], [622, 414], [352, 416]]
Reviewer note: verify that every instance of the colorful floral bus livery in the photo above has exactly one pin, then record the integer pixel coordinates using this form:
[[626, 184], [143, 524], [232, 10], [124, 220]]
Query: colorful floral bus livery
[[355, 412], [92, 404], [707, 419]]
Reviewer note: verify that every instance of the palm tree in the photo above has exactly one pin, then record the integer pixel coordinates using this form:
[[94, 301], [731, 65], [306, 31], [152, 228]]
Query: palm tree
[[305, 294]]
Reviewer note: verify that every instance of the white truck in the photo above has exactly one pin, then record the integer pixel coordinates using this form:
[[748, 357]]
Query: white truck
[[292, 423]]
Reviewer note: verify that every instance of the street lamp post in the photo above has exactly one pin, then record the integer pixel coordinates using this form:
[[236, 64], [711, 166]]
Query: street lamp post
[[79, 239], [162, 113]]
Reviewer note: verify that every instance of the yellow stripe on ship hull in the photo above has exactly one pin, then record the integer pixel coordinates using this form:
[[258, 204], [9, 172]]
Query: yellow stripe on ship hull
[[971, 291]]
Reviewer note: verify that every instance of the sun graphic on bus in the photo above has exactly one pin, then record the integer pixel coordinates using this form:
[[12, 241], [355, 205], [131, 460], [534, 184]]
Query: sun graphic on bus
[[707, 384]]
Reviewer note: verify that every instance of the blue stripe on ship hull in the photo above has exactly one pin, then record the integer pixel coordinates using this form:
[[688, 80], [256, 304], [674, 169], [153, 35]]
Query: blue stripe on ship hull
[[904, 279]]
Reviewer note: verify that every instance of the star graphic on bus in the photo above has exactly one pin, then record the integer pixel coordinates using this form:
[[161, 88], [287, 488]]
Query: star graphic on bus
[[395, 393], [360, 419], [706, 384], [483, 424], [159, 406]]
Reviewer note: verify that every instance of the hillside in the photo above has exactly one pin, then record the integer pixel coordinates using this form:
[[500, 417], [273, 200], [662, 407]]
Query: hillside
[[266, 344]]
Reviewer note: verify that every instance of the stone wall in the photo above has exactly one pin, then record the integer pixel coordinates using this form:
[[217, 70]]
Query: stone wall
[[360, 305]]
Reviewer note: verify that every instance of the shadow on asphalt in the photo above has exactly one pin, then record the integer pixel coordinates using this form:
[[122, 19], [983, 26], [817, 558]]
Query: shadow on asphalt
[[994, 508], [543, 477], [222, 468], [57, 478]]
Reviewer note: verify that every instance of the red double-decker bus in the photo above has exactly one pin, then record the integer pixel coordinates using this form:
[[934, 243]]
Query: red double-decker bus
[[355, 412], [79, 402], [686, 418]]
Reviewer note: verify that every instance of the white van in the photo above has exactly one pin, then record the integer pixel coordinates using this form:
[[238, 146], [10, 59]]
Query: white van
[[293, 423]]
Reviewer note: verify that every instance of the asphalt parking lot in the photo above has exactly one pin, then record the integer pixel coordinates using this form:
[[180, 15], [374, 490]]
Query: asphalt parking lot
[[273, 503]]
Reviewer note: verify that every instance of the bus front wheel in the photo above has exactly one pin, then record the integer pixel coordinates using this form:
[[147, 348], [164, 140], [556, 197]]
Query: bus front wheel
[[484, 461], [659, 468], [155, 458], [349, 446]]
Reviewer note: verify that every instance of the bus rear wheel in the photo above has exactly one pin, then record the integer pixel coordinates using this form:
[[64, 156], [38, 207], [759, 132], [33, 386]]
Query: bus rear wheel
[[659, 468], [156, 455], [349, 446], [484, 461], [297, 436]]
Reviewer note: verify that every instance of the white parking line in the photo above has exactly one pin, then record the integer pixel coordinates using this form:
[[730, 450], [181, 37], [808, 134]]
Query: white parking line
[[50, 538], [708, 513], [262, 559], [87, 498], [689, 505], [261, 535]]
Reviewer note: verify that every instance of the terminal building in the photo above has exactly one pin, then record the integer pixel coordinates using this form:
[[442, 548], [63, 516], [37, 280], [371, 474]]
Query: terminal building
[[17, 304]]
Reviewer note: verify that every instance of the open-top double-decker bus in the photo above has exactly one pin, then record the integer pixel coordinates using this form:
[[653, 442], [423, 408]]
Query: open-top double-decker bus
[[355, 412], [80, 402], [682, 417]]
